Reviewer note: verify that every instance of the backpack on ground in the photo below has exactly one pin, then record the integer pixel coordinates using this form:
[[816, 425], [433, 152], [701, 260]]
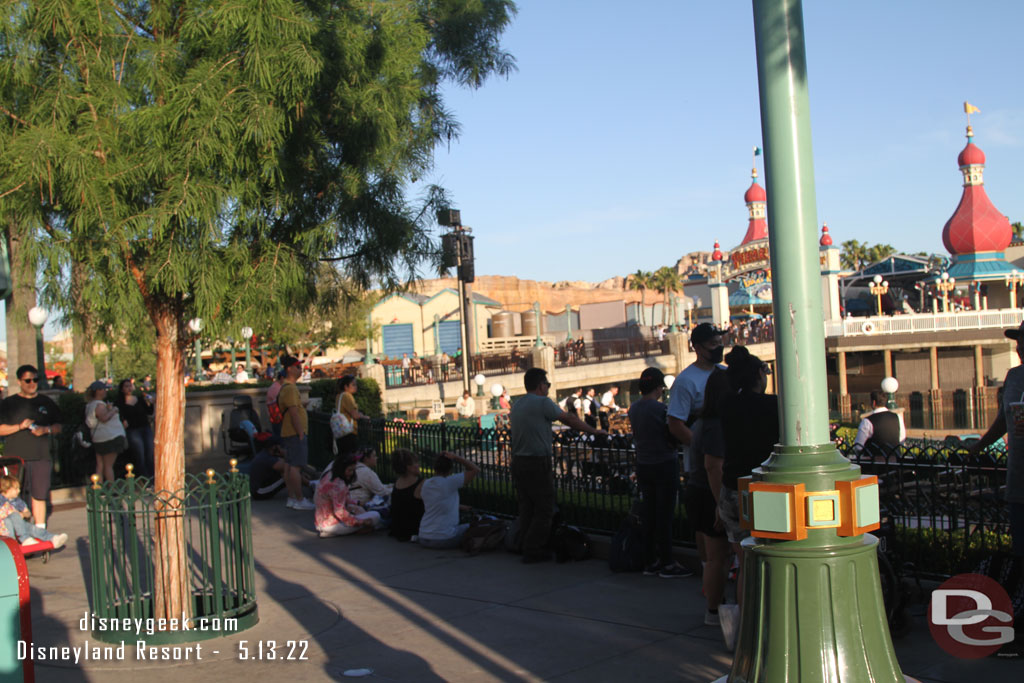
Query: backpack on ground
[[571, 544], [486, 533], [626, 551]]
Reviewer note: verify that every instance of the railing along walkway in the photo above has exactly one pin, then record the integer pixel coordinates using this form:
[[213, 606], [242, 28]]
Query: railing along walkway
[[923, 322]]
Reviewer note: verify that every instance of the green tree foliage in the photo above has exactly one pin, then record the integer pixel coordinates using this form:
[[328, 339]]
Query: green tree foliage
[[858, 256], [666, 280], [1018, 230], [640, 280], [200, 160]]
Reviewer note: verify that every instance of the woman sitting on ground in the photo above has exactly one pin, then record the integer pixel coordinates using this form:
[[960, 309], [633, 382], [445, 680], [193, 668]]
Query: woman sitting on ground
[[440, 526], [335, 514], [367, 484], [406, 506]]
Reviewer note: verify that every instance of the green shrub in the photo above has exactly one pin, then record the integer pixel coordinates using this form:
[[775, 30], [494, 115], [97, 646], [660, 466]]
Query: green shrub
[[367, 395]]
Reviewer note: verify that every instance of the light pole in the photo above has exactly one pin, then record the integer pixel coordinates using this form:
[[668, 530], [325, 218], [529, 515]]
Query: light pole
[[1012, 280], [480, 379], [568, 322], [196, 325], [945, 284], [878, 288], [247, 338], [890, 386], [672, 312], [368, 358], [812, 607], [37, 315], [536, 314]]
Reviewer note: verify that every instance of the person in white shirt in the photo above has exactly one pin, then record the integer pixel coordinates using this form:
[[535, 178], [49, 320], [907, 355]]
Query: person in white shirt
[[608, 400], [465, 406], [440, 526], [241, 376], [882, 431]]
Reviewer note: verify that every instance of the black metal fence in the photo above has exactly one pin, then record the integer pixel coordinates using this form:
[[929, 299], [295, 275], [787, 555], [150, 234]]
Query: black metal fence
[[949, 510]]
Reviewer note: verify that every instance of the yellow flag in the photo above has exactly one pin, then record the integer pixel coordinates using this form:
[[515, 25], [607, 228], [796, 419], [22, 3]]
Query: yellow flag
[[970, 108]]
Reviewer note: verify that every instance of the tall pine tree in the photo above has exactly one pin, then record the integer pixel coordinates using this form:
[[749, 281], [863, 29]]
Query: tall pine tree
[[198, 158]]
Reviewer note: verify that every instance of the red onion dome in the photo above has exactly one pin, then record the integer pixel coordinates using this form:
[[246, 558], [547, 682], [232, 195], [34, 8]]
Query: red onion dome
[[755, 193], [971, 156], [717, 254], [826, 239]]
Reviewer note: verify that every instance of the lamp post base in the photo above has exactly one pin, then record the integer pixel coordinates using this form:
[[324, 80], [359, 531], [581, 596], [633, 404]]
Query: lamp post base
[[813, 614]]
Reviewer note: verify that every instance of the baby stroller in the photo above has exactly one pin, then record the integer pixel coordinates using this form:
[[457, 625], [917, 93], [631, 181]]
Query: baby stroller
[[238, 438]]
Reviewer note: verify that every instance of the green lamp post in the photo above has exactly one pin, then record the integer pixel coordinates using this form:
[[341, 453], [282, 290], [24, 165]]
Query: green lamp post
[[437, 337], [536, 314], [196, 325], [812, 607], [368, 359], [890, 385], [672, 312], [247, 338], [568, 322], [37, 316]]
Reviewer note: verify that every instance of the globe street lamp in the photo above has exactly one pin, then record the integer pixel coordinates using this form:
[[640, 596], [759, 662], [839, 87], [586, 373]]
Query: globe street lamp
[[496, 391], [672, 313], [196, 324], [890, 386], [879, 287], [1012, 280], [480, 379], [37, 315], [247, 337], [568, 322], [945, 284]]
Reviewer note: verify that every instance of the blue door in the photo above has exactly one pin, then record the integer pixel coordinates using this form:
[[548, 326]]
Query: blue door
[[449, 336], [397, 339]]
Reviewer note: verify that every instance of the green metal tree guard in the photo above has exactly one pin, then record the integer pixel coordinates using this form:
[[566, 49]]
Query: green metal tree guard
[[812, 601], [217, 525]]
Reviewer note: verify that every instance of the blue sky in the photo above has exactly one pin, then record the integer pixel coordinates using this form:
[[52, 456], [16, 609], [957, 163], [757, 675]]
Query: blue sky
[[624, 140]]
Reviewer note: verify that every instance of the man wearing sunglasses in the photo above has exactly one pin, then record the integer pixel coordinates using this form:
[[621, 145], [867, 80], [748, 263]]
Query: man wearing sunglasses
[[28, 419]]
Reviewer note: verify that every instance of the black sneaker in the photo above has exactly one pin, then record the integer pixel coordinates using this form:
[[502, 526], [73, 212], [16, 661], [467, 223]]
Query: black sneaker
[[653, 569], [674, 571]]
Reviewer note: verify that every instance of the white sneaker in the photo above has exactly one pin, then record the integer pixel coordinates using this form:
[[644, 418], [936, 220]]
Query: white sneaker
[[729, 617], [59, 540], [304, 504], [711, 618], [30, 541]]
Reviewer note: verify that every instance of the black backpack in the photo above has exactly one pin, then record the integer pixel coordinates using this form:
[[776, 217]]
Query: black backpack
[[626, 551], [571, 544]]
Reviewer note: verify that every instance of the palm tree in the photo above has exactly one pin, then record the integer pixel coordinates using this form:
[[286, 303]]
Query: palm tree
[[641, 280], [666, 280]]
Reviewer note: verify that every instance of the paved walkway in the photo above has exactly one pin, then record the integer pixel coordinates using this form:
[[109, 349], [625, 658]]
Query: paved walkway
[[412, 614]]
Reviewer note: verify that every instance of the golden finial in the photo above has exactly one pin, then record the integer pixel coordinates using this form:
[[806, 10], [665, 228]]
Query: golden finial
[[95, 481], [130, 469], [210, 475], [234, 464], [970, 109]]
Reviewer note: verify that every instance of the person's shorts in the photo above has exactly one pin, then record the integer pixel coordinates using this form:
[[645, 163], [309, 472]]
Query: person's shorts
[[700, 510], [115, 446], [729, 511], [37, 478], [296, 450]]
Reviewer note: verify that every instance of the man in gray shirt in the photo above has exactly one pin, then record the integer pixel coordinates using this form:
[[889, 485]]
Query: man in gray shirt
[[1013, 392], [530, 422]]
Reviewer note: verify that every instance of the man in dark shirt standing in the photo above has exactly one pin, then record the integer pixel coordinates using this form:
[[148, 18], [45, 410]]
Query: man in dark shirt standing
[[881, 431], [28, 419]]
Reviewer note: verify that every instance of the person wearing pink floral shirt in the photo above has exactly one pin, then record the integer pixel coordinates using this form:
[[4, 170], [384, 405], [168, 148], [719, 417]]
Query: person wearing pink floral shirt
[[335, 514]]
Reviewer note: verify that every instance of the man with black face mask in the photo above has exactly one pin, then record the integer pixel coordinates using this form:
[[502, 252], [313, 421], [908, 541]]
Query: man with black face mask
[[687, 396]]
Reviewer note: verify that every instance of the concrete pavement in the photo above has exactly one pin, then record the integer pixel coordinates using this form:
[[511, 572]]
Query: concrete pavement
[[412, 614]]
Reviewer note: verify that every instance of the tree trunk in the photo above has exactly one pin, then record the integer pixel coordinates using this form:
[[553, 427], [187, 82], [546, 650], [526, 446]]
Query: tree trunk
[[643, 305], [21, 336], [172, 591], [83, 368]]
